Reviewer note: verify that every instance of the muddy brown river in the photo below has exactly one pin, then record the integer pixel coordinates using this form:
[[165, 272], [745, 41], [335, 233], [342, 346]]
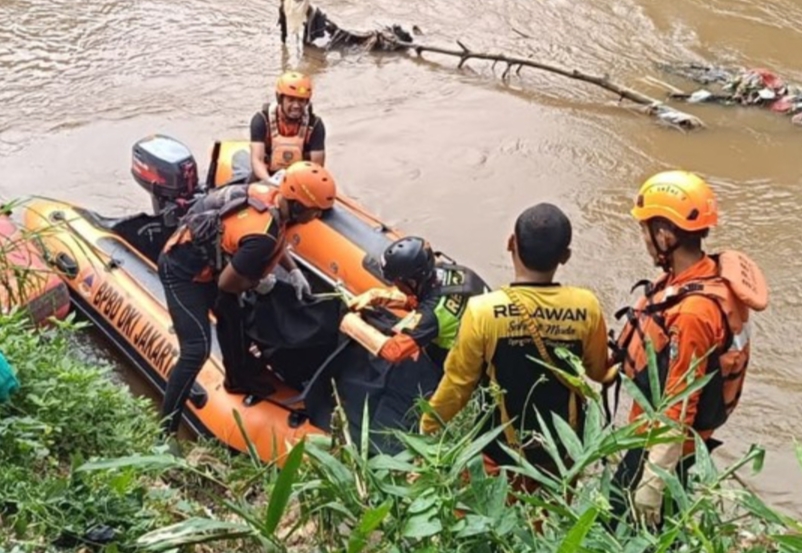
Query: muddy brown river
[[451, 154]]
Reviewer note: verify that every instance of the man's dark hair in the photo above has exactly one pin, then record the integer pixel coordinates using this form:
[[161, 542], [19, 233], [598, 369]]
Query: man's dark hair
[[691, 241], [542, 234]]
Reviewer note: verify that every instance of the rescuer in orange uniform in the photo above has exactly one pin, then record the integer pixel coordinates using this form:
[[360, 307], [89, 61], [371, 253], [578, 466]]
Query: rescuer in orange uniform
[[699, 305], [286, 131], [229, 242]]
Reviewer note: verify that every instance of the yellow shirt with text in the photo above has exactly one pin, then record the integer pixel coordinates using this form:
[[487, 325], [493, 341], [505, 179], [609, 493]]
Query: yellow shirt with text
[[494, 343]]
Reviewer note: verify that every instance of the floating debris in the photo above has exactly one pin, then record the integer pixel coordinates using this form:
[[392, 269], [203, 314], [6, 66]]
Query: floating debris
[[737, 86], [321, 32]]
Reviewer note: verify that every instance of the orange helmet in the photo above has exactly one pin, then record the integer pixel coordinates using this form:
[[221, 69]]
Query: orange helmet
[[294, 84], [679, 196], [309, 184]]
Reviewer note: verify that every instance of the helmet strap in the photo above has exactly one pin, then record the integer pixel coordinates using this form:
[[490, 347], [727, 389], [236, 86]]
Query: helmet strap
[[419, 287], [409, 286], [280, 110], [296, 209], [663, 254]]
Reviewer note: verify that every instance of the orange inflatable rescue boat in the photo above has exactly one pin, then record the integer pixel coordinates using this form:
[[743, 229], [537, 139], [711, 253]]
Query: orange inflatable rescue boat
[[109, 267]]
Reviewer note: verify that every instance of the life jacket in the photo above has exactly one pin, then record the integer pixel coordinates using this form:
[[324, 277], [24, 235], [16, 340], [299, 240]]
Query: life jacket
[[216, 223], [457, 284], [738, 286], [282, 151]]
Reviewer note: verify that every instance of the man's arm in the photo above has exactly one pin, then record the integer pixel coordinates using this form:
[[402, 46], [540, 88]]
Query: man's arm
[[594, 351], [392, 298], [248, 264], [403, 344], [258, 133], [462, 371], [317, 143], [287, 262], [419, 333]]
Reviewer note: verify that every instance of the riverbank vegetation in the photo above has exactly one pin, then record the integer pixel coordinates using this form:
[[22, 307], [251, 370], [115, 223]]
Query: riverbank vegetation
[[81, 472]]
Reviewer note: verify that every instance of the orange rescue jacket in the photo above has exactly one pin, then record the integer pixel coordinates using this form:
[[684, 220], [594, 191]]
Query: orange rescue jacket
[[282, 150], [735, 286], [218, 221]]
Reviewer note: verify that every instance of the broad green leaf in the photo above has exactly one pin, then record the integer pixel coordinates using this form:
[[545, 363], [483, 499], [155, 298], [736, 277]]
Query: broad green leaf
[[576, 535], [395, 490], [497, 490], [369, 522], [630, 437], [252, 453], [193, 531], [488, 496], [706, 543], [336, 507], [667, 539], [577, 382], [639, 544], [550, 444], [423, 502], [568, 437], [692, 388], [572, 359], [592, 430], [653, 372], [466, 439], [674, 486], [422, 526], [755, 455], [508, 522], [525, 468], [385, 462], [759, 459], [283, 488], [757, 507], [245, 511], [338, 473], [551, 506], [703, 463], [793, 543], [472, 525], [637, 396], [420, 445], [143, 462], [476, 448], [476, 469]]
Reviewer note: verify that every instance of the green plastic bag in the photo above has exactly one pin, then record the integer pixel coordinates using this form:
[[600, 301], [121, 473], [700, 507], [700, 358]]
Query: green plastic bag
[[8, 380]]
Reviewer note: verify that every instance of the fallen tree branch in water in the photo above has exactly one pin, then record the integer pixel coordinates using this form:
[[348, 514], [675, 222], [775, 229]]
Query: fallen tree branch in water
[[655, 108], [319, 30]]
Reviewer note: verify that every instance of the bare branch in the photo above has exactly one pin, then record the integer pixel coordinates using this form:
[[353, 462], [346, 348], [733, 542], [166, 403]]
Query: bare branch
[[654, 107], [520, 33]]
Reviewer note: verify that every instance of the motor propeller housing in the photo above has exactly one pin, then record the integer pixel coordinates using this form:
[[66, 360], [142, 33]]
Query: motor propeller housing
[[167, 170]]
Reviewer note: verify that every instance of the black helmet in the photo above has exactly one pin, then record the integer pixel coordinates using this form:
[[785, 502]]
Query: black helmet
[[409, 261]]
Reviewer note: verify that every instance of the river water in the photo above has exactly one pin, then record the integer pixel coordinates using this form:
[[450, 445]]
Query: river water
[[451, 154]]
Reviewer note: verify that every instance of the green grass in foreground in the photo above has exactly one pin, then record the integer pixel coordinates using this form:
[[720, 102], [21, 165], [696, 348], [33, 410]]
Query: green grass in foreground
[[79, 465]]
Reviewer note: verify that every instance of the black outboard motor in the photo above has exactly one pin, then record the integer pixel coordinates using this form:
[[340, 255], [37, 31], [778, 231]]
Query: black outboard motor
[[167, 170]]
